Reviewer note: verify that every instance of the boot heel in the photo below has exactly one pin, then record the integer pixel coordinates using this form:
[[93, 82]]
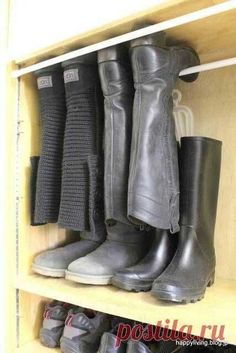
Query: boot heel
[[212, 280]]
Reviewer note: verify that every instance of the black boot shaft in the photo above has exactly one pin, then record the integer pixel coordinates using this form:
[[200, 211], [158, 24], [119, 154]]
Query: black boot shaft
[[154, 179], [118, 91], [200, 160], [153, 62], [154, 39]]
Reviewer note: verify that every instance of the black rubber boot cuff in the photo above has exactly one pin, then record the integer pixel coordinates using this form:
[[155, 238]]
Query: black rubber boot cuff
[[158, 38], [115, 53]]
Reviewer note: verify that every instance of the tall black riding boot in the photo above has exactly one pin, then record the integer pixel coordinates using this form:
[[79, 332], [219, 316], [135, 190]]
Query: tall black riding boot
[[53, 116], [55, 262], [193, 266], [118, 90], [125, 244], [153, 193], [141, 276]]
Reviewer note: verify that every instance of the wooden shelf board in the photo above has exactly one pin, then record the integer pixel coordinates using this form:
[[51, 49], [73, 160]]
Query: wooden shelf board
[[210, 36], [217, 308], [35, 346]]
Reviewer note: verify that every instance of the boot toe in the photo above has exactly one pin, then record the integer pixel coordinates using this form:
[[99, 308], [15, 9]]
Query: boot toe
[[50, 259], [171, 290], [88, 266], [131, 281], [89, 270], [127, 275]]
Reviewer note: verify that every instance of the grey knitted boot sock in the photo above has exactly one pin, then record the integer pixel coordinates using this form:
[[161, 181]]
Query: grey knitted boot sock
[[53, 114], [83, 138]]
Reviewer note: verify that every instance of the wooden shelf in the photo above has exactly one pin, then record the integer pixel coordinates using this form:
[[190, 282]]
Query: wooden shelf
[[217, 308], [213, 38], [35, 346]]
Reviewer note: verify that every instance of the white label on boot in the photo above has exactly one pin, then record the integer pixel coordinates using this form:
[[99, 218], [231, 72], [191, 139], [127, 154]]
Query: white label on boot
[[71, 75], [44, 82]]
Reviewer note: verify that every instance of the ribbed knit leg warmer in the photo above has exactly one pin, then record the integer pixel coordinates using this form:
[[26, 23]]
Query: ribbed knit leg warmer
[[83, 138], [53, 115]]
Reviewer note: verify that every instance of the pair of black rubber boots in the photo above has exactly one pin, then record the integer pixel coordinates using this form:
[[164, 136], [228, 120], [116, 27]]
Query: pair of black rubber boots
[[141, 179]]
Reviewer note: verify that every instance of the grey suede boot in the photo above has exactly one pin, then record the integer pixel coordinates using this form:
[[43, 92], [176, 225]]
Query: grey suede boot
[[54, 262], [124, 246], [153, 192]]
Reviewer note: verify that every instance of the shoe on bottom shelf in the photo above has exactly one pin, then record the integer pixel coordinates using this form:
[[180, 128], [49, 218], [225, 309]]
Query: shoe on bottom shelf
[[53, 263], [156, 347], [137, 347], [53, 323], [124, 247], [83, 331], [108, 342]]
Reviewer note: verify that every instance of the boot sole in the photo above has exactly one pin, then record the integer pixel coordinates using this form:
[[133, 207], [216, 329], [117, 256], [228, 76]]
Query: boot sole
[[183, 297], [49, 272], [172, 297], [132, 287], [87, 279]]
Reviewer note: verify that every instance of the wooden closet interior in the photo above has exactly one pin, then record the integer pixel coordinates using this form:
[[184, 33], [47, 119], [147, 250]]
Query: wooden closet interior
[[211, 99]]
